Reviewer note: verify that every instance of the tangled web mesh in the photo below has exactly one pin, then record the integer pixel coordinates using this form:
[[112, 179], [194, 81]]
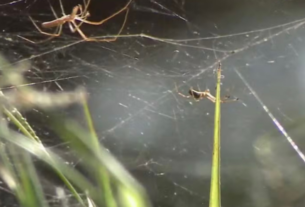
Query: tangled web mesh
[[164, 139]]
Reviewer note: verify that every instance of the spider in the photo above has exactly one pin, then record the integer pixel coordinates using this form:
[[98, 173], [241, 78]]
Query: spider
[[198, 95], [79, 13]]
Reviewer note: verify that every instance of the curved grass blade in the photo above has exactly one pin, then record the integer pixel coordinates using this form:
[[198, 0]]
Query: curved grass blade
[[18, 171], [80, 141], [100, 172]]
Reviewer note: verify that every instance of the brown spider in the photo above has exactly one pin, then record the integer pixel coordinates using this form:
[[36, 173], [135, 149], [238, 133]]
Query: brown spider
[[198, 95], [80, 14]]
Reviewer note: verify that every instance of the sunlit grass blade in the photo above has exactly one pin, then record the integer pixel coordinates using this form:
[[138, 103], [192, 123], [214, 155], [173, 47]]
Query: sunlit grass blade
[[21, 123], [101, 174], [33, 192], [130, 195], [215, 197], [8, 174], [50, 158], [26, 129], [19, 173], [103, 162], [101, 159]]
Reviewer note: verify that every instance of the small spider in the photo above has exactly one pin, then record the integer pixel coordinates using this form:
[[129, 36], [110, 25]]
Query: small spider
[[198, 95]]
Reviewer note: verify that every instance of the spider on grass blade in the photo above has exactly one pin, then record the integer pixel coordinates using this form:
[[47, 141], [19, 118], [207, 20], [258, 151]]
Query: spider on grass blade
[[75, 19], [198, 95]]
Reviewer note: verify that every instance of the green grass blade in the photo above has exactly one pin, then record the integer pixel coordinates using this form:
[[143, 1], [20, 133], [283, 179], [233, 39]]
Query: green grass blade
[[215, 198], [102, 159], [29, 181], [21, 123], [101, 174], [19, 173], [9, 176], [24, 126]]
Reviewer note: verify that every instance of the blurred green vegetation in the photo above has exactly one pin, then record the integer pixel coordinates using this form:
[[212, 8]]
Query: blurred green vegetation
[[105, 183]]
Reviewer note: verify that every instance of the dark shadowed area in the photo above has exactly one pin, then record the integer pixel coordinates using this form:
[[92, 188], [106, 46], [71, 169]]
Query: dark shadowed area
[[163, 139]]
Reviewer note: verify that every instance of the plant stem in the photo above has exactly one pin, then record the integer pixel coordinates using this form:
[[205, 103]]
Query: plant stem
[[215, 199]]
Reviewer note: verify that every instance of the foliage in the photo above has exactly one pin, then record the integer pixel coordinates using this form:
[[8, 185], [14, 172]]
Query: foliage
[[108, 184]]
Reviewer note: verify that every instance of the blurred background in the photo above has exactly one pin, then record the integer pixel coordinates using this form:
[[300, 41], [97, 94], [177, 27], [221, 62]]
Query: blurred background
[[163, 139]]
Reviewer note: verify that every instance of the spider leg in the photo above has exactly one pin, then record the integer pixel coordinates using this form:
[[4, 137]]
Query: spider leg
[[83, 14], [184, 96], [52, 35], [56, 34], [211, 98], [76, 26], [122, 27], [62, 8], [228, 99], [96, 39], [86, 6], [108, 18]]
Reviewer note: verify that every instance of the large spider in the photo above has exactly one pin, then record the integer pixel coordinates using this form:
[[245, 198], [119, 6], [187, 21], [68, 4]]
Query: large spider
[[79, 14]]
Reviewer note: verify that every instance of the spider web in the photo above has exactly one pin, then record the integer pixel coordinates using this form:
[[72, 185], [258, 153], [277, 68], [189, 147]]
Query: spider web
[[164, 139]]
